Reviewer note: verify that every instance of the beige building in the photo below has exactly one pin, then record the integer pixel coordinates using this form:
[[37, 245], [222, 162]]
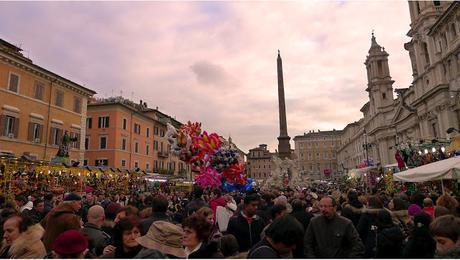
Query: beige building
[[259, 163], [316, 154], [424, 110], [37, 107]]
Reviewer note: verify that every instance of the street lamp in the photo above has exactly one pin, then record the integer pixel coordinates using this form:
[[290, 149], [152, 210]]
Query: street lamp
[[366, 147]]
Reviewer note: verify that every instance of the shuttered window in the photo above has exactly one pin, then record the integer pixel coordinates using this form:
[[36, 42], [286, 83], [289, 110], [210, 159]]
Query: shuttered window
[[59, 98], [39, 90], [13, 84], [55, 137], [77, 105], [103, 122], [35, 132], [9, 126]]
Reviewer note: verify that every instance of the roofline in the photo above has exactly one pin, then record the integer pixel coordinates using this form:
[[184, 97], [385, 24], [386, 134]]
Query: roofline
[[123, 105], [43, 70]]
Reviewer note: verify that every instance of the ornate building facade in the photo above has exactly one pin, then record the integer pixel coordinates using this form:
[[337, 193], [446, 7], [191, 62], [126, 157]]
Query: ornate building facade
[[424, 110], [316, 154]]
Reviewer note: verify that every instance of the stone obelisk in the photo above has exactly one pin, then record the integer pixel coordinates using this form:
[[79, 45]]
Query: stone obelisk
[[284, 147]]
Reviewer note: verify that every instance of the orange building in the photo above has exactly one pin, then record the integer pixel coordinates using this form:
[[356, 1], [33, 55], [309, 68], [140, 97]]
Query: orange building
[[123, 134], [37, 106]]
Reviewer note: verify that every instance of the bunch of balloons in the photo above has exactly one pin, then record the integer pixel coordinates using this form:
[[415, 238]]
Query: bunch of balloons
[[216, 162]]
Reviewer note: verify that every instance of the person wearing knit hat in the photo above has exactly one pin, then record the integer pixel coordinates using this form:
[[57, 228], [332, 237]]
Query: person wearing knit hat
[[70, 244], [413, 209]]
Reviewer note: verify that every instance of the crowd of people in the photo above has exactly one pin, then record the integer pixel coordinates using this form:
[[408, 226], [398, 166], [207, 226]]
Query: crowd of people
[[315, 222]]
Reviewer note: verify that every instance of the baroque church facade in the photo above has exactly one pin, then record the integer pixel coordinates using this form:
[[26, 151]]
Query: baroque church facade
[[422, 111]]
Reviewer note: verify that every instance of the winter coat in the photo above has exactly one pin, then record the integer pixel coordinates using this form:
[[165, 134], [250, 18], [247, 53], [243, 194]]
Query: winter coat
[[58, 220], [389, 243], [33, 214], [365, 229], [97, 238], [420, 244], [246, 234], [27, 245], [352, 213], [263, 249], [220, 201], [303, 217], [207, 250], [332, 238]]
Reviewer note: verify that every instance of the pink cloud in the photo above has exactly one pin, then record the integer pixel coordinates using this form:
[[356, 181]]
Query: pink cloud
[[216, 62]]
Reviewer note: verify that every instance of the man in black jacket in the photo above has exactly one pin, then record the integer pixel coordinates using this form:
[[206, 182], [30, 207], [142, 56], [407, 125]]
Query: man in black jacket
[[331, 235], [159, 208], [247, 226]]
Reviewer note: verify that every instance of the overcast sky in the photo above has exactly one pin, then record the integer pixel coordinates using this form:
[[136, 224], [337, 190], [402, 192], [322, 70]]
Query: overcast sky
[[215, 62]]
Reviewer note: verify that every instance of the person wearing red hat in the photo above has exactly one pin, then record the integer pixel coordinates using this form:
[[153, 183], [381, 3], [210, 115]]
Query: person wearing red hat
[[70, 244]]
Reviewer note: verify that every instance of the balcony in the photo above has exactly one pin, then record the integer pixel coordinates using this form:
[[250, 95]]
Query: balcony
[[163, 154]]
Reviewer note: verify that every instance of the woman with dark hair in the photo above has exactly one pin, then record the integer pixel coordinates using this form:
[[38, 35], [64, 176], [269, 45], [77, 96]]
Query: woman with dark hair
[[420, 244], [196, 238], [389, 240], [125, 233]]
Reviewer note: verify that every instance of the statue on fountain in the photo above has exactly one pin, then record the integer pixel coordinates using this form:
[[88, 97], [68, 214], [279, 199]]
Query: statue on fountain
[[62, 155]]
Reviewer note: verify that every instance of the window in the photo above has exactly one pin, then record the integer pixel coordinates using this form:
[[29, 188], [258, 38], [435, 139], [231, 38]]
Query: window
[[85, 162], [59, 98], [425, 50], [123, 163], [162, 132], [453, 30], [136, 164], [384, 95], [123, 144], [87, 143], [11, 126], [77, 105], [55, 136], [103, 122], [155, 130], [13, 84], [137, 128], [39, 89], [35, 131], [161, 147], [148, 132], [102, 162], [380, 67], [89, 122], [76, 144], [155, 163], [136, 147], [103, 142], [155, 145], [147, 148], [147, 166], [124, 123], [437, 3]]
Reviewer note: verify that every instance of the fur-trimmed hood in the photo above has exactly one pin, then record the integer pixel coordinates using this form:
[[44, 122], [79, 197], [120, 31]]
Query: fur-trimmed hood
[[28, 244], [353, 208], [401, 215]]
